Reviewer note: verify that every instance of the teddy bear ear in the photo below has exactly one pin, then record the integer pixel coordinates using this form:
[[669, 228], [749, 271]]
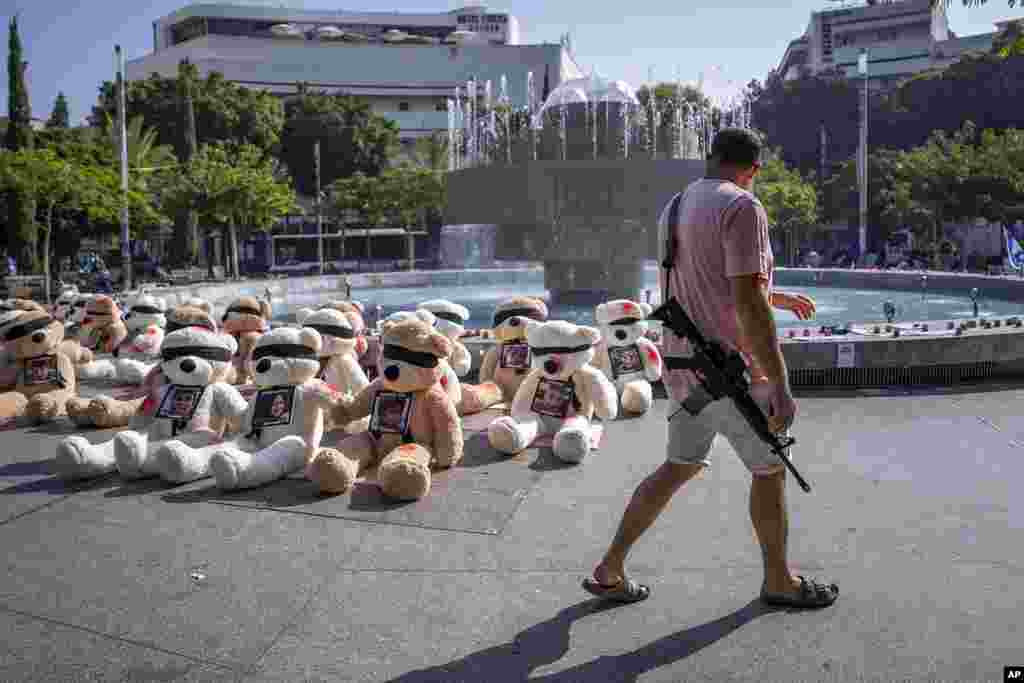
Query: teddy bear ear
[[231, 342], [359, 306], [462, 311], [542, 307], [590, 334], [646, 309], [601, 313], [311, 338], [162, 305], [442, 347], [426, 316]]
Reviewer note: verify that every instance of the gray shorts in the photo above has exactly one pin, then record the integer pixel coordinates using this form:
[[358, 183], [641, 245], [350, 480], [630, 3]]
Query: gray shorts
[[690, 437]]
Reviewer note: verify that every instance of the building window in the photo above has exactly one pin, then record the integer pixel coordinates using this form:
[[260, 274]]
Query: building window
[[403, 106]]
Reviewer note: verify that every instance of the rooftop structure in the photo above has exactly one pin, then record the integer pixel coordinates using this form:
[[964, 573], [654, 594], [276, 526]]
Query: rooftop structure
[[902, 38], [405, 65]]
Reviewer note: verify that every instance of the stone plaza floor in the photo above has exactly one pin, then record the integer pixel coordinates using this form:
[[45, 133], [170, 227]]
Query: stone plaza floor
[[913, 513]]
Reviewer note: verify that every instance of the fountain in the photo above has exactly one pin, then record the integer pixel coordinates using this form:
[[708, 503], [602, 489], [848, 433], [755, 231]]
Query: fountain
[[577, 180]]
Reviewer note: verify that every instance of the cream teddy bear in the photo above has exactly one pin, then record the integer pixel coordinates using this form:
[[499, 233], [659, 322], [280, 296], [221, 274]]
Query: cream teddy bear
[[193, 407], [508, 362], [284, 423], [451, 322], [560, 395], [139, 352], [625, 355], [339, 356], [45, 375], [414, 425]]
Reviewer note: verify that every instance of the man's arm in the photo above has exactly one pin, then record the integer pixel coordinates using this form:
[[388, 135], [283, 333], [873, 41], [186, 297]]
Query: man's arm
[[757, 326]]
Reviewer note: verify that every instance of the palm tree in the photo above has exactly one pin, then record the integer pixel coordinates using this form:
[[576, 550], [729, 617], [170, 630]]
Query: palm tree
[[143, 152]]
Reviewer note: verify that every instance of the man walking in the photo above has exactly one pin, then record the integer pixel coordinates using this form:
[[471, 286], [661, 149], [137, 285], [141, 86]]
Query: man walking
[[722, 277]]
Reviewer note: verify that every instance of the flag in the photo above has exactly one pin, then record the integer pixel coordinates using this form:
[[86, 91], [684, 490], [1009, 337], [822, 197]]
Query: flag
[[1014, 251]]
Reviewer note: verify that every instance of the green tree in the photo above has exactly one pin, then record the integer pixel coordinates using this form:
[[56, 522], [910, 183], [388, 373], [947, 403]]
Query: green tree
[[21, 234], [790, 201], [60, 117], [224, 111], [431, 152], [228, 186], [57, 185], [352, 138]]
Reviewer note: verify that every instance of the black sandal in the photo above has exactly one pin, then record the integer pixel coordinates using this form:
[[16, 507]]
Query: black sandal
[[812, 595], [626, 590]]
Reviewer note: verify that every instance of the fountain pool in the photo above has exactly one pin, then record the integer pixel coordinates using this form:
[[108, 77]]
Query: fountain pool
[[836, 306]]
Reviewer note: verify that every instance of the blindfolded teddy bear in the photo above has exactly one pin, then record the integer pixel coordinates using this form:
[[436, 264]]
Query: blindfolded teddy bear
[[246, 319], [559, 396], [508, 362], [46, 376], [414, 425]]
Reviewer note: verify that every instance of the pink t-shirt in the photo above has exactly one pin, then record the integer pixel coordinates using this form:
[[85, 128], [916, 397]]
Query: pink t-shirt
[[722, 233]]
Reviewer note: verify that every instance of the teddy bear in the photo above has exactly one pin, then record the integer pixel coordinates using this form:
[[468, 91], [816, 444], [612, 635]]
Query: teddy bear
[[139, 352], [106, 412], [73, 324], [192, 406], [282, 426], [625, 355], [102, 329], [246, 319], [451, 322], [449, 380], [559, 396], [46, 376], [8, 366], [508, 362], [339, 355], [64, 304], [414, 425]]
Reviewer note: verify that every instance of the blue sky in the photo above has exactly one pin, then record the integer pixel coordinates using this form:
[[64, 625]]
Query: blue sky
[[69, 45]]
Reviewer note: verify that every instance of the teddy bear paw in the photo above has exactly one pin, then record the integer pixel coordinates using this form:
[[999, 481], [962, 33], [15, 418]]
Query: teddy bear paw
[[78, 411], [404, 479], [505, 437], [571, 445], [76, 458], [332, 471], [42, 408], [180, 464], [104, 414], [226, 469], [131, 453]]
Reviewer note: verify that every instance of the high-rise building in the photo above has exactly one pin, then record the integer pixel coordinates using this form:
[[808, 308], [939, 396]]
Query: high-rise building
[[405, 65], [902, 38]]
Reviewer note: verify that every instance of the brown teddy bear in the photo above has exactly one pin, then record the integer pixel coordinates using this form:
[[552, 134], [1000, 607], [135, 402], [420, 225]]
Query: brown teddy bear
[[246, 319], [103, 330], [106, 412], [46, 377], [339, 355], [414, 424], [508, 362]]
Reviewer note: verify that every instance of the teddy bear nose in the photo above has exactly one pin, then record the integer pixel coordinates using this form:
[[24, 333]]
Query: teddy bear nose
[[188, 365], [391, 373], [620, 334], [552, 366], [39, 337], [263, 365]]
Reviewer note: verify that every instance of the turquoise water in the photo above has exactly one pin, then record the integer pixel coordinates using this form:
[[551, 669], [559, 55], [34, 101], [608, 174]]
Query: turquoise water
[[835, 306]]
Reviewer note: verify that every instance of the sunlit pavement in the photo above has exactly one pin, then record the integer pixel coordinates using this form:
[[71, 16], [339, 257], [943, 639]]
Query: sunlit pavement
[[915, 511]]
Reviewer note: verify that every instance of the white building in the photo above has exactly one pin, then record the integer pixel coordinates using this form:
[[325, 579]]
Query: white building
[[404, 65], [902, 38]]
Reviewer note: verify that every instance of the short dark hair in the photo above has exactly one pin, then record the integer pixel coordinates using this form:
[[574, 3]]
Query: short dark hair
[[736, 147]]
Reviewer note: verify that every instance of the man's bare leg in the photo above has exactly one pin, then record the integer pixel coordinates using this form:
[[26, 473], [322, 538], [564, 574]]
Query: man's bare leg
[[771, 523], [649, 499]]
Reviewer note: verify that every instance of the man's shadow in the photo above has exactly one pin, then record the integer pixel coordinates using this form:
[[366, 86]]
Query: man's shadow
[[547, 642]]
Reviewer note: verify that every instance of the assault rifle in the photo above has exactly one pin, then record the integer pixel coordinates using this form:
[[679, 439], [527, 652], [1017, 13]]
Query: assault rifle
[[722, 373]]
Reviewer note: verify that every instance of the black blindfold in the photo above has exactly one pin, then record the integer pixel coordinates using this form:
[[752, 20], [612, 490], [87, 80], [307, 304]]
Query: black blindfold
[[334, 331], [420, 360], [284, 351], [501, 317], [548, 350], [25, 329], [205, 352]]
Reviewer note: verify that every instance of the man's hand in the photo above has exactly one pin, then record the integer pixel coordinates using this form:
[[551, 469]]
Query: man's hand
[[781, 405], [799, 305]]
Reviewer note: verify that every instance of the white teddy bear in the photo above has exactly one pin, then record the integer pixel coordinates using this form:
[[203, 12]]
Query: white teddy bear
[[193, 406], [625, 355], [339, 357], [64, 305], [139, 353], [284, 423], [560, 395]]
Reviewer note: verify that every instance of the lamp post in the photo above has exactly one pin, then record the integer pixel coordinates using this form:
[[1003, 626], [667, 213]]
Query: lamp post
[[319, 209], [862, 69], [122, 144]]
